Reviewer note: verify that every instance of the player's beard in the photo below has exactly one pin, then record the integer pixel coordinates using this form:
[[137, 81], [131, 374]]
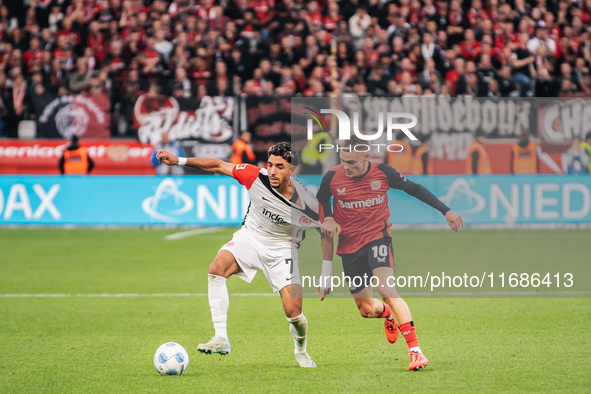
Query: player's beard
[[275, 186]]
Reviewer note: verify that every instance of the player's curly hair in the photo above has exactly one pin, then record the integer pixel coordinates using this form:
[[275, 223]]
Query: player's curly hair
[[284, 150]]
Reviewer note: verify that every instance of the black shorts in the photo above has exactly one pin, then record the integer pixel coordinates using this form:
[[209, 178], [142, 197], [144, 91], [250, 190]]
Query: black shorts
[[358, 267]]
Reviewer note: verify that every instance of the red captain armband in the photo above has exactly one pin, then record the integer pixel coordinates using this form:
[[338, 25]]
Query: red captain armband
[[246, 174]]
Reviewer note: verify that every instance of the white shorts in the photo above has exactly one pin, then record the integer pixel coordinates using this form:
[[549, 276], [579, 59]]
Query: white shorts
[[278, 263]]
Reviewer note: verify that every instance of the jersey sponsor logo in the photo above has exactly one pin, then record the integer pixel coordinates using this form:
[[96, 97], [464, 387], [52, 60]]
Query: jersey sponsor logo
[[231, 243], [370, 202], [275, 218], [375, 185], [340, 191], [241, 167]]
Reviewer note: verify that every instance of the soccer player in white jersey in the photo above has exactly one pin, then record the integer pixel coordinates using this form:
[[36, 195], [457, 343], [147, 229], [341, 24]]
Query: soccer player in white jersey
[[279, 211]]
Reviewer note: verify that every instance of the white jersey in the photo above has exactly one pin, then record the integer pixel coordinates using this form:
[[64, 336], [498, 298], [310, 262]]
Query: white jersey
[[271, 217]]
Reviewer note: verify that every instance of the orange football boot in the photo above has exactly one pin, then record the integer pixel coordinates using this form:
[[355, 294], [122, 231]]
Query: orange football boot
[[391, 330], [417, 361]]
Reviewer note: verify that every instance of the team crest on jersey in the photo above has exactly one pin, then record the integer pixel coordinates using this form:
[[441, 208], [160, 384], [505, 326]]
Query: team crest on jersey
[[305, 222], [340, 191], [375, 185]]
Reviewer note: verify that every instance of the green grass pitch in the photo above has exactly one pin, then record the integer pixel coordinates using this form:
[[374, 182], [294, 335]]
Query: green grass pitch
[[75, 343]]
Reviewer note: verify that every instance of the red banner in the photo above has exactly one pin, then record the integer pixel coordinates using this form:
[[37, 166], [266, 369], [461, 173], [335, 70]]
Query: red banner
[[111, 157]]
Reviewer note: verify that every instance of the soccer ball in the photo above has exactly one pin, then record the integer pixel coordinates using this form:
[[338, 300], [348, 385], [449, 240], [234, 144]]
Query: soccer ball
[[171, 359]]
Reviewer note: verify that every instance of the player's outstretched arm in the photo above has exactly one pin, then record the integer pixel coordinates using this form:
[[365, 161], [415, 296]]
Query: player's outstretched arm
[[399, 181], [199, 163]]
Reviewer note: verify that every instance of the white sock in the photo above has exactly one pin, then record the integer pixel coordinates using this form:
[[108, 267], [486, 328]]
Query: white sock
[[219, 302], [298, 328], [415, 349]]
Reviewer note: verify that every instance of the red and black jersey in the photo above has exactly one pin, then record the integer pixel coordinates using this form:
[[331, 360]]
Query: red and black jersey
[[360, 205]]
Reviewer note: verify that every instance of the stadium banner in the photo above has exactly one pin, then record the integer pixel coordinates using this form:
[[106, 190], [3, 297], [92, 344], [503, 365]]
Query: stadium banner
[[203, 127], [86, 115], [110, 156], [444, 127], [268, 120], [221, 201], [122, 200]]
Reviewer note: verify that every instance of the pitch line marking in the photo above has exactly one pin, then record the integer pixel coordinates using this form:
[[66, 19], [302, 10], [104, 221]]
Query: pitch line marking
[[468, 294], [127, 295], [190, 233]]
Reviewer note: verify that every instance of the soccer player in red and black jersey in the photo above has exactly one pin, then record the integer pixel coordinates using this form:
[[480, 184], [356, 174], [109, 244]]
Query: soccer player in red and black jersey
[[360, 215]]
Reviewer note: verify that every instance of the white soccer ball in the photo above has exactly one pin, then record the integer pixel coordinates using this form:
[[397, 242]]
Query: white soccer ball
[[171, 359]]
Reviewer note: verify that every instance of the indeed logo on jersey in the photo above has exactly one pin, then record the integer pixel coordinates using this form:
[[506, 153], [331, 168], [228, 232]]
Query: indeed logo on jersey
[[275, 218], [370, 202]]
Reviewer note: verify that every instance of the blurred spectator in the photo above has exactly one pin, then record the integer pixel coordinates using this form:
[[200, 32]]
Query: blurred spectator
[[455, 74], [163, 46], [359, 23], [171, 146], [567, 81], [524, 156], [181, 81], [79, 79], [575, 160], [16, 104], [456, 22], [402, 160], [546, 85], [470, 47], [55, 17], [541, 39], [41, 98], [116, 60], [422, 164], [75, 159], [521, 62], [478, 161], [507, 87], [430, 50], [242, 150]]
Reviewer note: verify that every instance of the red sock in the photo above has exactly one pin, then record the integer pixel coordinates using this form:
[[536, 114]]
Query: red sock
[[386, 313], [408, 332]]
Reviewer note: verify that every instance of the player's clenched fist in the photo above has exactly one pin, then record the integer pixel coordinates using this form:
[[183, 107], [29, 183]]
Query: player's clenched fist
[[167, 158]]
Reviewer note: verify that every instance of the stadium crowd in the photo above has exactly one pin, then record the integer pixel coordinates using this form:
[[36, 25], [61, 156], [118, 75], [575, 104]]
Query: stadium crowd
[[193, 48]]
